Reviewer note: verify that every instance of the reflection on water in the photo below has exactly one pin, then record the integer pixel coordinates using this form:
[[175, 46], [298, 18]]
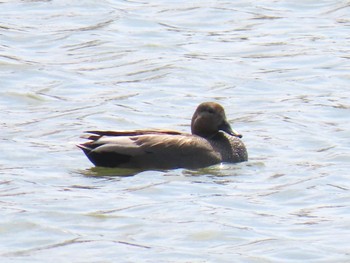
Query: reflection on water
[[280, 69], [103, 171]]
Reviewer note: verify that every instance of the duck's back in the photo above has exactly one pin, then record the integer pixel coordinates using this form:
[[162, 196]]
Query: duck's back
[[163, 151]]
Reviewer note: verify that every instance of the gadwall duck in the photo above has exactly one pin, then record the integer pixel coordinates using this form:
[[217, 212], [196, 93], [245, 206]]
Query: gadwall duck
[[212, 141]]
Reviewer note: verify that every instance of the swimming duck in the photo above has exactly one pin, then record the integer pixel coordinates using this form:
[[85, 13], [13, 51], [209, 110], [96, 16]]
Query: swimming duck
[[212, 141]]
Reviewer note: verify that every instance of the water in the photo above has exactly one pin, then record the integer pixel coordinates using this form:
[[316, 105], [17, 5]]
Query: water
[[281, 70]]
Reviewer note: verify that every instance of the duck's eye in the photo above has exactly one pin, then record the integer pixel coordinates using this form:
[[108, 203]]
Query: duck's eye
[[211, 111]]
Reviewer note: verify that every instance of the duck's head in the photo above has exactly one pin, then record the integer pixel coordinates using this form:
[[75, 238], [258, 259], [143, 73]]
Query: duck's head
[[208, 119]]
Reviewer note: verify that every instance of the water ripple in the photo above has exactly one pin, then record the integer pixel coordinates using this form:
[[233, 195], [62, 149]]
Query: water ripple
[[280, 68]]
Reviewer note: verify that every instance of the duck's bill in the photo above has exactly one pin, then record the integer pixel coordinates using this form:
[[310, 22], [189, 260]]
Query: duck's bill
[[226, 127], [236, 133]]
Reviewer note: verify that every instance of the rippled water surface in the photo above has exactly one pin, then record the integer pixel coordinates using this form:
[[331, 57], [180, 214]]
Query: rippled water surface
[[280, 68]]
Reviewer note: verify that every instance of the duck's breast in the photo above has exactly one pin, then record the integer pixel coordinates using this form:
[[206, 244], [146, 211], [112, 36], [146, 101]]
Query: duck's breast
[[231, 148]]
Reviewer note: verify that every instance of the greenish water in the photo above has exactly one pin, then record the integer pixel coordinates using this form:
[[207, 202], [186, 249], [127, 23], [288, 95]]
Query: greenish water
[[280, 69]]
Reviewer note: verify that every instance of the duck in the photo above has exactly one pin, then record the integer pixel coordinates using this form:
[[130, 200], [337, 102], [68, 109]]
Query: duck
[[211, 141]]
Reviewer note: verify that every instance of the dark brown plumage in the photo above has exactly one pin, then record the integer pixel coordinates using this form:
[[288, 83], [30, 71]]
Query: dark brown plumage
[[212, 141]]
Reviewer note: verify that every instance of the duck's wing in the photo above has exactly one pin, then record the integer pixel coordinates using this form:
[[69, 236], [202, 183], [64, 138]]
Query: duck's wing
[[95, 135], [133, 132], [150, 151]]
